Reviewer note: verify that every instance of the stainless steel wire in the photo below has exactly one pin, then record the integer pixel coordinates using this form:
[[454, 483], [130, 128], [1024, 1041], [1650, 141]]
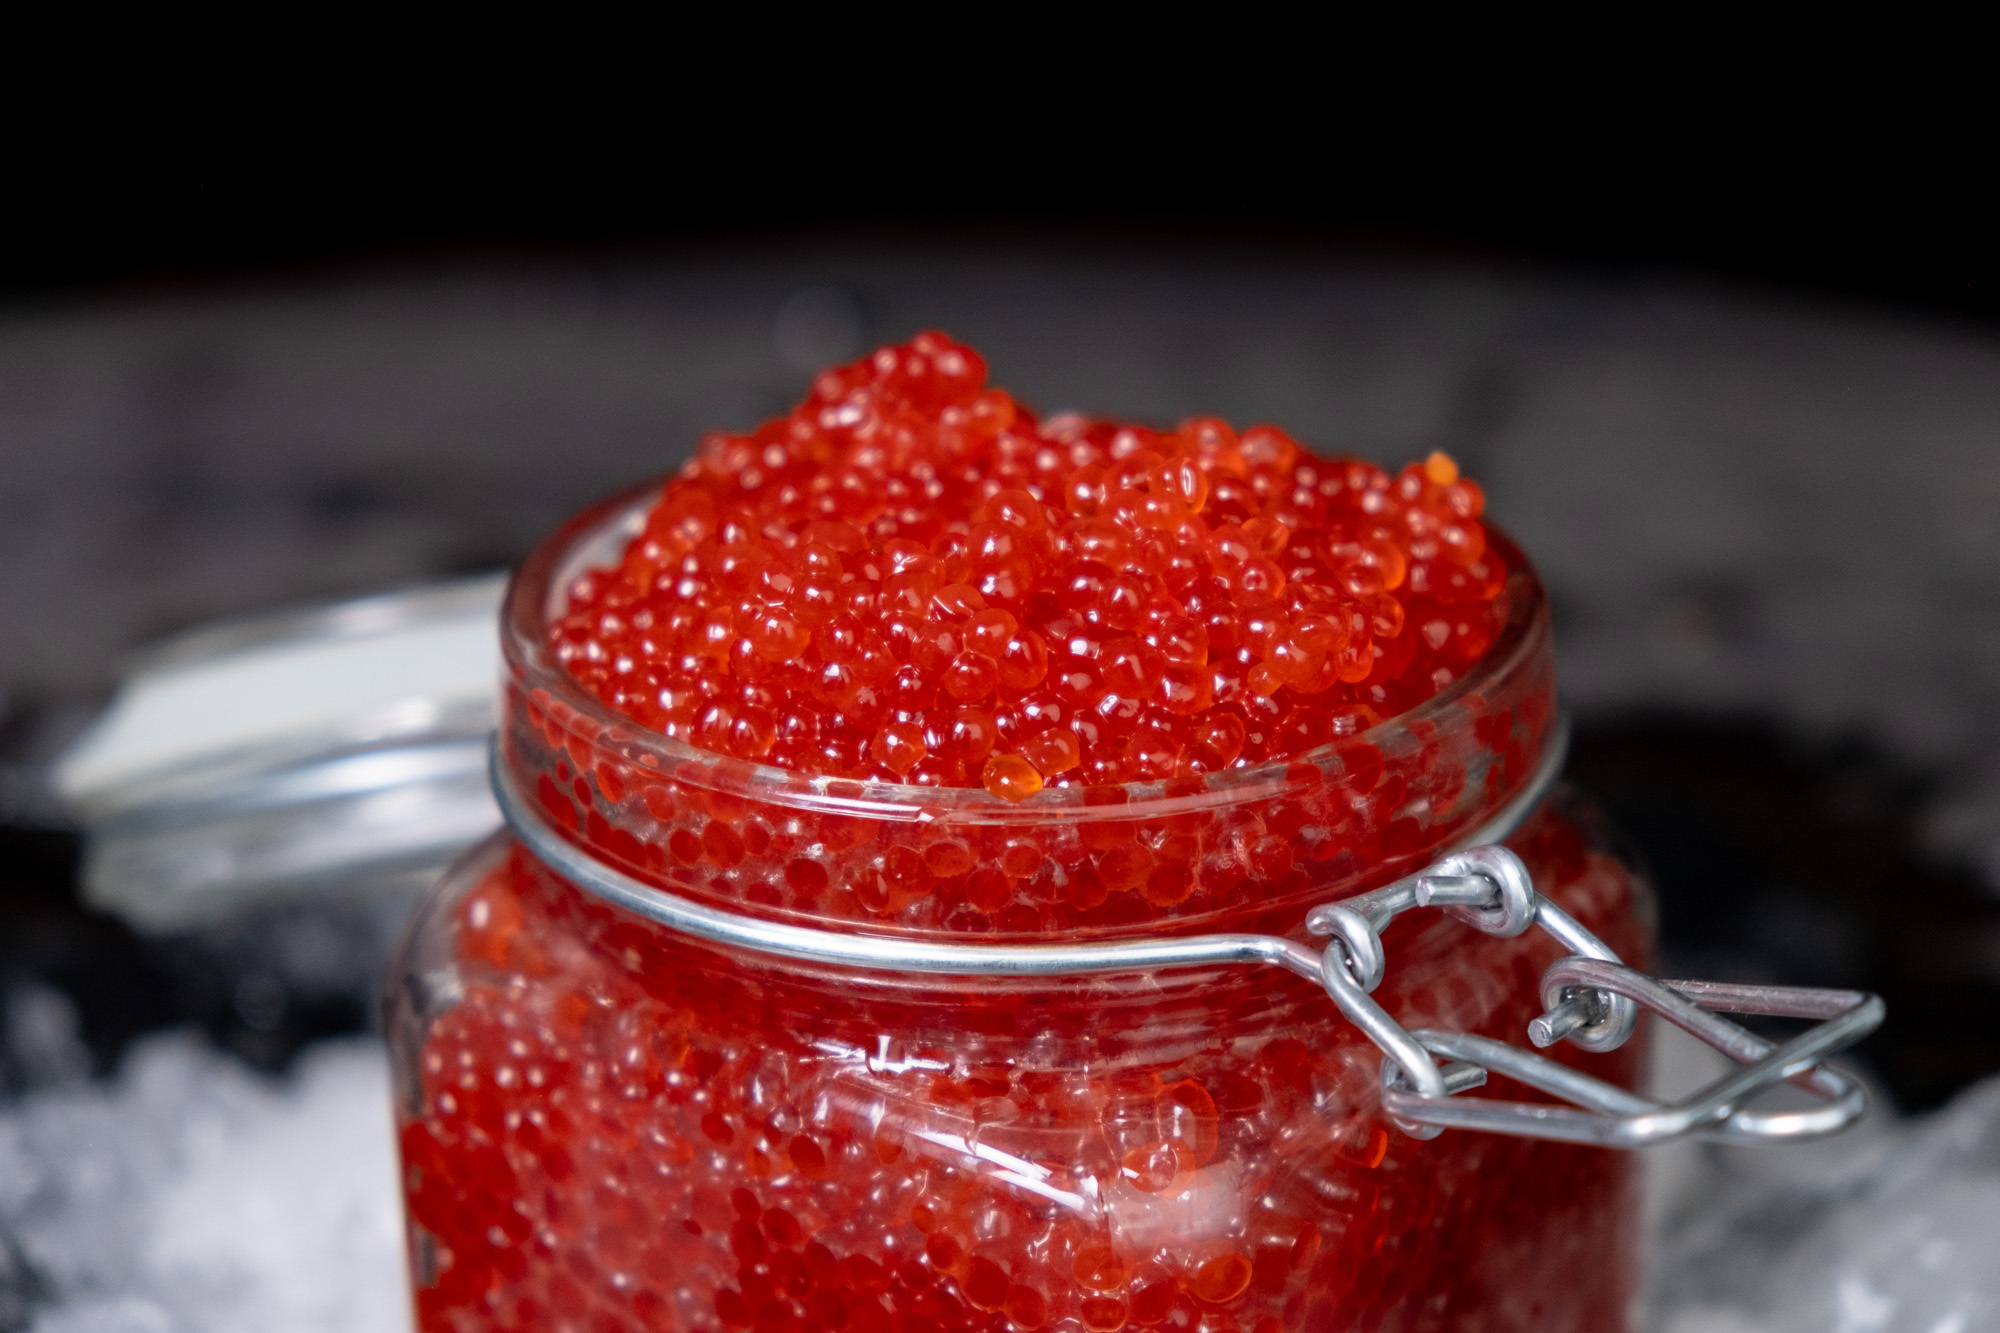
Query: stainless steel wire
[[1593, 999]]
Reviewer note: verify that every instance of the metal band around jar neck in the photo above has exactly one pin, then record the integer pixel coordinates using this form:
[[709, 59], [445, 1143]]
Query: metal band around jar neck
[[895, 954], [1594, 999]]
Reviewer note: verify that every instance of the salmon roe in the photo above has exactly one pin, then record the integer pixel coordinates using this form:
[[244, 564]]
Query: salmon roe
[[611, 1128], [910, 578], [609, 1125]]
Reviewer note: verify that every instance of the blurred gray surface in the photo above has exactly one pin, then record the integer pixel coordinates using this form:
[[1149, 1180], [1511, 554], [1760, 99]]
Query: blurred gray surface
[[1740, 506], [1737, 504]]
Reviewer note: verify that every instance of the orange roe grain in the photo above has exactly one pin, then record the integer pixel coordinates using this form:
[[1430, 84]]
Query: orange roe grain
[[911, 578]]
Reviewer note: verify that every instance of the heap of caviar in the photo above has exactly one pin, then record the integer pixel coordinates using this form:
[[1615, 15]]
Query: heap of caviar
[[912, 579]]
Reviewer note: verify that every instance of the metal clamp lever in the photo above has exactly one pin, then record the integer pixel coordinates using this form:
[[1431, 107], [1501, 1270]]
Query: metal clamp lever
[[1617, 1118], [1592, 998]]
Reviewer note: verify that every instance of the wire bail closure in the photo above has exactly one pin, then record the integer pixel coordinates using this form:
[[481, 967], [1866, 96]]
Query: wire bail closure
[[1592, 999]]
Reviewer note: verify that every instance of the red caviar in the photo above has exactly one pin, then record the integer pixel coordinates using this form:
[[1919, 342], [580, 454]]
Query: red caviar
[[607, 1125], [611, 1129], [910, 578]]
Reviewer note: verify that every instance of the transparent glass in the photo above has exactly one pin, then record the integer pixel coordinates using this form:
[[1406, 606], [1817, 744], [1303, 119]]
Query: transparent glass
[[606, 1125]]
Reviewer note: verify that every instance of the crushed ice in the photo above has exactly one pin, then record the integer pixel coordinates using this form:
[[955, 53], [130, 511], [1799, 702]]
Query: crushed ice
[[1894, 1228], [188, 1194], [191, 1195]]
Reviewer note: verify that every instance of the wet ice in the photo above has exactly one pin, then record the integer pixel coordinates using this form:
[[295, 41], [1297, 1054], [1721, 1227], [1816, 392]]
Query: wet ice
[[190, 1195], [187, 1194]]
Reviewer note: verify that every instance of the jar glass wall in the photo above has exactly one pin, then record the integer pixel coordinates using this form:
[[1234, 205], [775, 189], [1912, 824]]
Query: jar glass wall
[[607, 1125]]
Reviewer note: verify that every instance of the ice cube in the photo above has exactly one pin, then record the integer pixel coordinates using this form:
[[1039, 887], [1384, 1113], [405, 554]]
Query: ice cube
[[191, 1195], [1895, 1229]]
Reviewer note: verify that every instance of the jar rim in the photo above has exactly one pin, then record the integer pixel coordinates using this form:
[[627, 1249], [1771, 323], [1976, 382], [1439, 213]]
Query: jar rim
[[596, 536]]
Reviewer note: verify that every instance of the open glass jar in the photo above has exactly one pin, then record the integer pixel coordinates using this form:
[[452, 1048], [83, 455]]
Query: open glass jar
[[609, 1124]]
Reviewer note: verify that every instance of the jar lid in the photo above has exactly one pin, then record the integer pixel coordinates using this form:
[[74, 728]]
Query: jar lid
[[312, 751]]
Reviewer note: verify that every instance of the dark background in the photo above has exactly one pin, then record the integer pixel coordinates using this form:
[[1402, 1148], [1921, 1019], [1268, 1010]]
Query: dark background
[[1739, 395], [1881, 203]]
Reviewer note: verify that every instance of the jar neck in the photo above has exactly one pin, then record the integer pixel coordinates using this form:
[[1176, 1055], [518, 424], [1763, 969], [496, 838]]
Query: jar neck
[[1246, 849]]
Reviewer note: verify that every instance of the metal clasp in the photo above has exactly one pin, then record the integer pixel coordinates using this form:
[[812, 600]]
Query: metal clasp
[[1593, 1001], [1592, 998]]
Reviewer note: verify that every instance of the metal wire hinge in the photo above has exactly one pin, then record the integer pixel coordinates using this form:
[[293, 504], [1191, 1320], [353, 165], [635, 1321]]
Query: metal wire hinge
[[1592, 999]]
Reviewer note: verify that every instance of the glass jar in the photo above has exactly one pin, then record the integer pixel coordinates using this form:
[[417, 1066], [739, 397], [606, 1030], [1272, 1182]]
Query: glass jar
[[607, 1124]]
